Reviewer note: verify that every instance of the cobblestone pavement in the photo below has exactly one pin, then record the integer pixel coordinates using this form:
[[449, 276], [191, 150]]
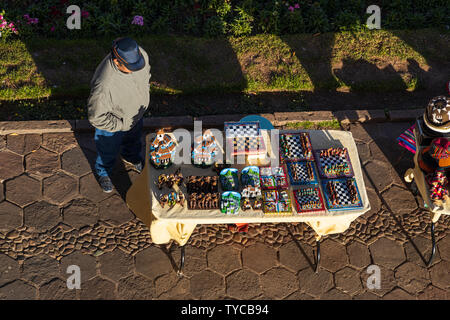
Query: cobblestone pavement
[[53, 214]]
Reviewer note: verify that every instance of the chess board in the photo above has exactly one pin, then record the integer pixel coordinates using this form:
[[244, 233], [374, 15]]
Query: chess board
[[277, 202], [246, 145], [242, 129], [323, 162], [309, 199], [291, 147], [298, 172], [343, 195]]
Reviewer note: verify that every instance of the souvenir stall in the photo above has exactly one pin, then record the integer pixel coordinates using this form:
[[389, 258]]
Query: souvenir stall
[[431, 135], [317, 179]]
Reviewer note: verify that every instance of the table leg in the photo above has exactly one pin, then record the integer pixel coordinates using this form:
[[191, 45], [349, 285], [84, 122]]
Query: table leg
[[317, 255], [180, 268], [433, 245]]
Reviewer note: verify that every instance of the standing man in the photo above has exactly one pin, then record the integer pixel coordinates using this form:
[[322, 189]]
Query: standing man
[[120, 94]]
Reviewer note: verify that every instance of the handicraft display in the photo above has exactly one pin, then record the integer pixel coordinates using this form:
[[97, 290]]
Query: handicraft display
[[302, 172], [273, 178], [308, 199], [334, 163], [230, 202], [341, 194], [244, 138], [162, 150], [276, 201], [205, 150], [295, 147]]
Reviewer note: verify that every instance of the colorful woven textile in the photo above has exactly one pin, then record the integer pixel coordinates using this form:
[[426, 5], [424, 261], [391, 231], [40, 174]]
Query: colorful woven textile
[[407, 140]]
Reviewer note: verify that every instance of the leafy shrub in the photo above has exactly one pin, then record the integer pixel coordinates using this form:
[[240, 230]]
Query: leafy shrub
[[317, 19], [242, 23], [214, 27]]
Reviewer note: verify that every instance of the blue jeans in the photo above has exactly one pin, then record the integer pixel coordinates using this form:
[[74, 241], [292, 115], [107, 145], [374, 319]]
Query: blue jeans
[[108, 147]]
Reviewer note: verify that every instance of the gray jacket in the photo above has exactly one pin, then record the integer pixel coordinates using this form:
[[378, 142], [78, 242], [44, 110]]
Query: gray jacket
[[118, 100]]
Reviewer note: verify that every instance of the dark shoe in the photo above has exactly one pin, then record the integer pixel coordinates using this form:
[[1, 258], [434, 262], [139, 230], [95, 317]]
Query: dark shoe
[[106, 184], [137, 166]]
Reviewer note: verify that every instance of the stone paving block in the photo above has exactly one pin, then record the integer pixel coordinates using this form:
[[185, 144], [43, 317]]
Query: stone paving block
[[402, 115], [298, 295], [23, 143], [36, 126], [379, 173], [11, 165], [335, 294], [412, 278], [223, 259], [387, 283], [33, 269], [59, 142], [115, 211], [9, 269], [351, 116], [165, 283], [440, 275], [366, 296], [282, 118], [10, 216], [207, 285], [387, 253], [116, 264], [333, 255], [2, 192], [76, 161], [433, 293], [152, 262], [18, 290], [91, 190], [42, 162], [60, 188], [363, 152], [56, 289], [348, 281], [444, 248], [278, 283], [136, 287], [243, 284], [358, 254], [399, 200], [181, 291], [98, 289], [2, 141], [41, 216], [398, 294], [87, 264], [23, 190], [360, 133], [418, 250], [192, 264], [80, 212], [315, 284], [259, 257], [293, 257]]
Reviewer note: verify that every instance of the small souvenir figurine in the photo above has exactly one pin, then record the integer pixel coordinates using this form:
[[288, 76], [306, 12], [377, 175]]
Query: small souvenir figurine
[[257, 205], [172, 198], [163, 199], [230, 202], [162, 179], [162, 150], [246, 204], [205, 149], [438, 186]]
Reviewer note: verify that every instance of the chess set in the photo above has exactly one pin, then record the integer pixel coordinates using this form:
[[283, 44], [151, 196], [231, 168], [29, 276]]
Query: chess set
[[318, 175], [306, 181], [244, 138]]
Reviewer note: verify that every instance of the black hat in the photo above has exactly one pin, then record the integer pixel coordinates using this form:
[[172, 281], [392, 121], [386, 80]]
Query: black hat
[[127, 51]]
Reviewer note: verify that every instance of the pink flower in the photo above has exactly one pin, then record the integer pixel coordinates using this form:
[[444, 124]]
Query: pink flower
[[10, 25], [139, 20], [85, 14], [3, 24], [52, 29], [297, 6], [1, 17], [34, 20], [291, 8], [26, 16]]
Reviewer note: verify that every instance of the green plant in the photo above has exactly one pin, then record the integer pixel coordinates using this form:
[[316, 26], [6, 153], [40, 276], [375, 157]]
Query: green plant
[[109, 24], [214, 27], [242, 25], [318, 21]]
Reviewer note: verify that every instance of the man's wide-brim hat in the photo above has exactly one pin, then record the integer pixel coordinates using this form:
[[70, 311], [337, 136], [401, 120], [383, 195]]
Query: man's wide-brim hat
[[126, 50], [437, 114]]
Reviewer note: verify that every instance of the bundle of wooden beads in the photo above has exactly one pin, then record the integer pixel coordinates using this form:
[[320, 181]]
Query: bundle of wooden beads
[[352, 191], [331, 188], [308, 193]]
